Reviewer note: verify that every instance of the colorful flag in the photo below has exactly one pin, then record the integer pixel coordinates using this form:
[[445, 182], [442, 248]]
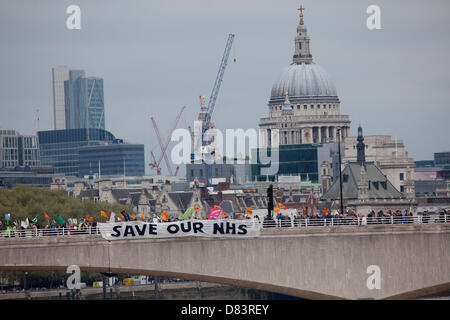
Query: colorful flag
[[249, 211], [142, 216], [223, 214], [103, 214], [164, 216], [217, 207], [214, 213], [133, 217], [125, 215], [282, 206], [196, 208], [25, 224], [60, 220], [276, 209], [7, 216], [88, 218], [34, 220], [187, 213], [46, 216], [112, 217]]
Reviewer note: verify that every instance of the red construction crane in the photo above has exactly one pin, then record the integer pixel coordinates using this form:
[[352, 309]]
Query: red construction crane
[[155, 164]]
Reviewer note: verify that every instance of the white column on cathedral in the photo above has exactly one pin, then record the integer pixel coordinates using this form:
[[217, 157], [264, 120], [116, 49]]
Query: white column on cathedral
[[319, 134]]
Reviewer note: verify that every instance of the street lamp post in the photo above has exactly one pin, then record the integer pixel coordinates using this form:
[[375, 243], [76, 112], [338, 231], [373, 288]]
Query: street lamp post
[[25, 284], [340, 171]]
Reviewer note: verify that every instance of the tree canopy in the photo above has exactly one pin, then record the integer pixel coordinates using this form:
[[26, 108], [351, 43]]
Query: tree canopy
[[23, 202]]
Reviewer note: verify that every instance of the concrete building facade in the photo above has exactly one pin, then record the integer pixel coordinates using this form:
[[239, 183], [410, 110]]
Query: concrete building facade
[[59, 75], [389, 156]]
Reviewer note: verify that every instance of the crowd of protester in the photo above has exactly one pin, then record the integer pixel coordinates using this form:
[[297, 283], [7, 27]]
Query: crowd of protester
[[304, 219], [350, 218]]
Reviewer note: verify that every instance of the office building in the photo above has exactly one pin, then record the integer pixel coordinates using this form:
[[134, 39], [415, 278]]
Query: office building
[[59, 75], [112, 160], [18, 150], [60, 148]]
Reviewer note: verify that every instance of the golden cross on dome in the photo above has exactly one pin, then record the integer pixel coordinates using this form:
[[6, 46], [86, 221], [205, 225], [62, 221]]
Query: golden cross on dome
[[301, 14]]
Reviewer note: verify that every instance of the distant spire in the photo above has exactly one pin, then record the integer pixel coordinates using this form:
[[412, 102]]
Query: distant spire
[[360, 147], [301, 53], [301, 14]]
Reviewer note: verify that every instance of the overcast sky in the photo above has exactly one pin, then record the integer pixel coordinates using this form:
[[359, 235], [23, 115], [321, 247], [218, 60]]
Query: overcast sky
[[156, 56]]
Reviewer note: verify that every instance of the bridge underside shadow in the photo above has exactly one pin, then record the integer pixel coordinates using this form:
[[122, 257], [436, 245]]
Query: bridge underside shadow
[[305, 294], [177, 275]]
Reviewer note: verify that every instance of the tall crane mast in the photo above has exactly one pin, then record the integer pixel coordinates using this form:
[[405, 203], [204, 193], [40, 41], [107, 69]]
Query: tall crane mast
[[217, 83], [212, 102]]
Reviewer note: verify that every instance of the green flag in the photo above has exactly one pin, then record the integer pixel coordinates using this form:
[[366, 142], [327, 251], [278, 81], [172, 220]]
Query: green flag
[[60, 220], [7, 216], [34, 220], [187, 213]]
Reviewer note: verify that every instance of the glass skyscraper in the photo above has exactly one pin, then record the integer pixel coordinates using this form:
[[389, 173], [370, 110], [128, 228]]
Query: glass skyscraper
[[84, 101]]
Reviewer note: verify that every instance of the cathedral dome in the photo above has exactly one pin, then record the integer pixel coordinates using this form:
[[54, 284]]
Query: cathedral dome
[[303, 81]]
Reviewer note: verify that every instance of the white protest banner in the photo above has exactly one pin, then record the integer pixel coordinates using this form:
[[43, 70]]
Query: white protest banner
[[196, 228]]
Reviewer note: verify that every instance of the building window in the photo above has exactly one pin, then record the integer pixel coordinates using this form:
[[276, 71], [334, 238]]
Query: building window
[[298, 107], [305, 107], [401, 177], [300, 46], [318, 106], [201, 172], [192, 173], [402, 189], [312, 106], [216, 171]]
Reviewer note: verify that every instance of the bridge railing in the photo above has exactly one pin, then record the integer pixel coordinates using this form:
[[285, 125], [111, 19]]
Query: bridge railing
[[285, 223], [353, 221], [26, 233]]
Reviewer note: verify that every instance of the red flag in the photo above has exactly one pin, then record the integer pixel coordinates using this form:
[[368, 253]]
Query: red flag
[[214, 213]]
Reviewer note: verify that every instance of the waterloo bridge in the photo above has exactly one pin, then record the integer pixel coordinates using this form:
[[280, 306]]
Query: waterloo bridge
[[326, 262]]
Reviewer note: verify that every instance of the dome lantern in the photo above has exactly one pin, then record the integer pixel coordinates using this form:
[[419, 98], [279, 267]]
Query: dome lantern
[[302, 53]]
